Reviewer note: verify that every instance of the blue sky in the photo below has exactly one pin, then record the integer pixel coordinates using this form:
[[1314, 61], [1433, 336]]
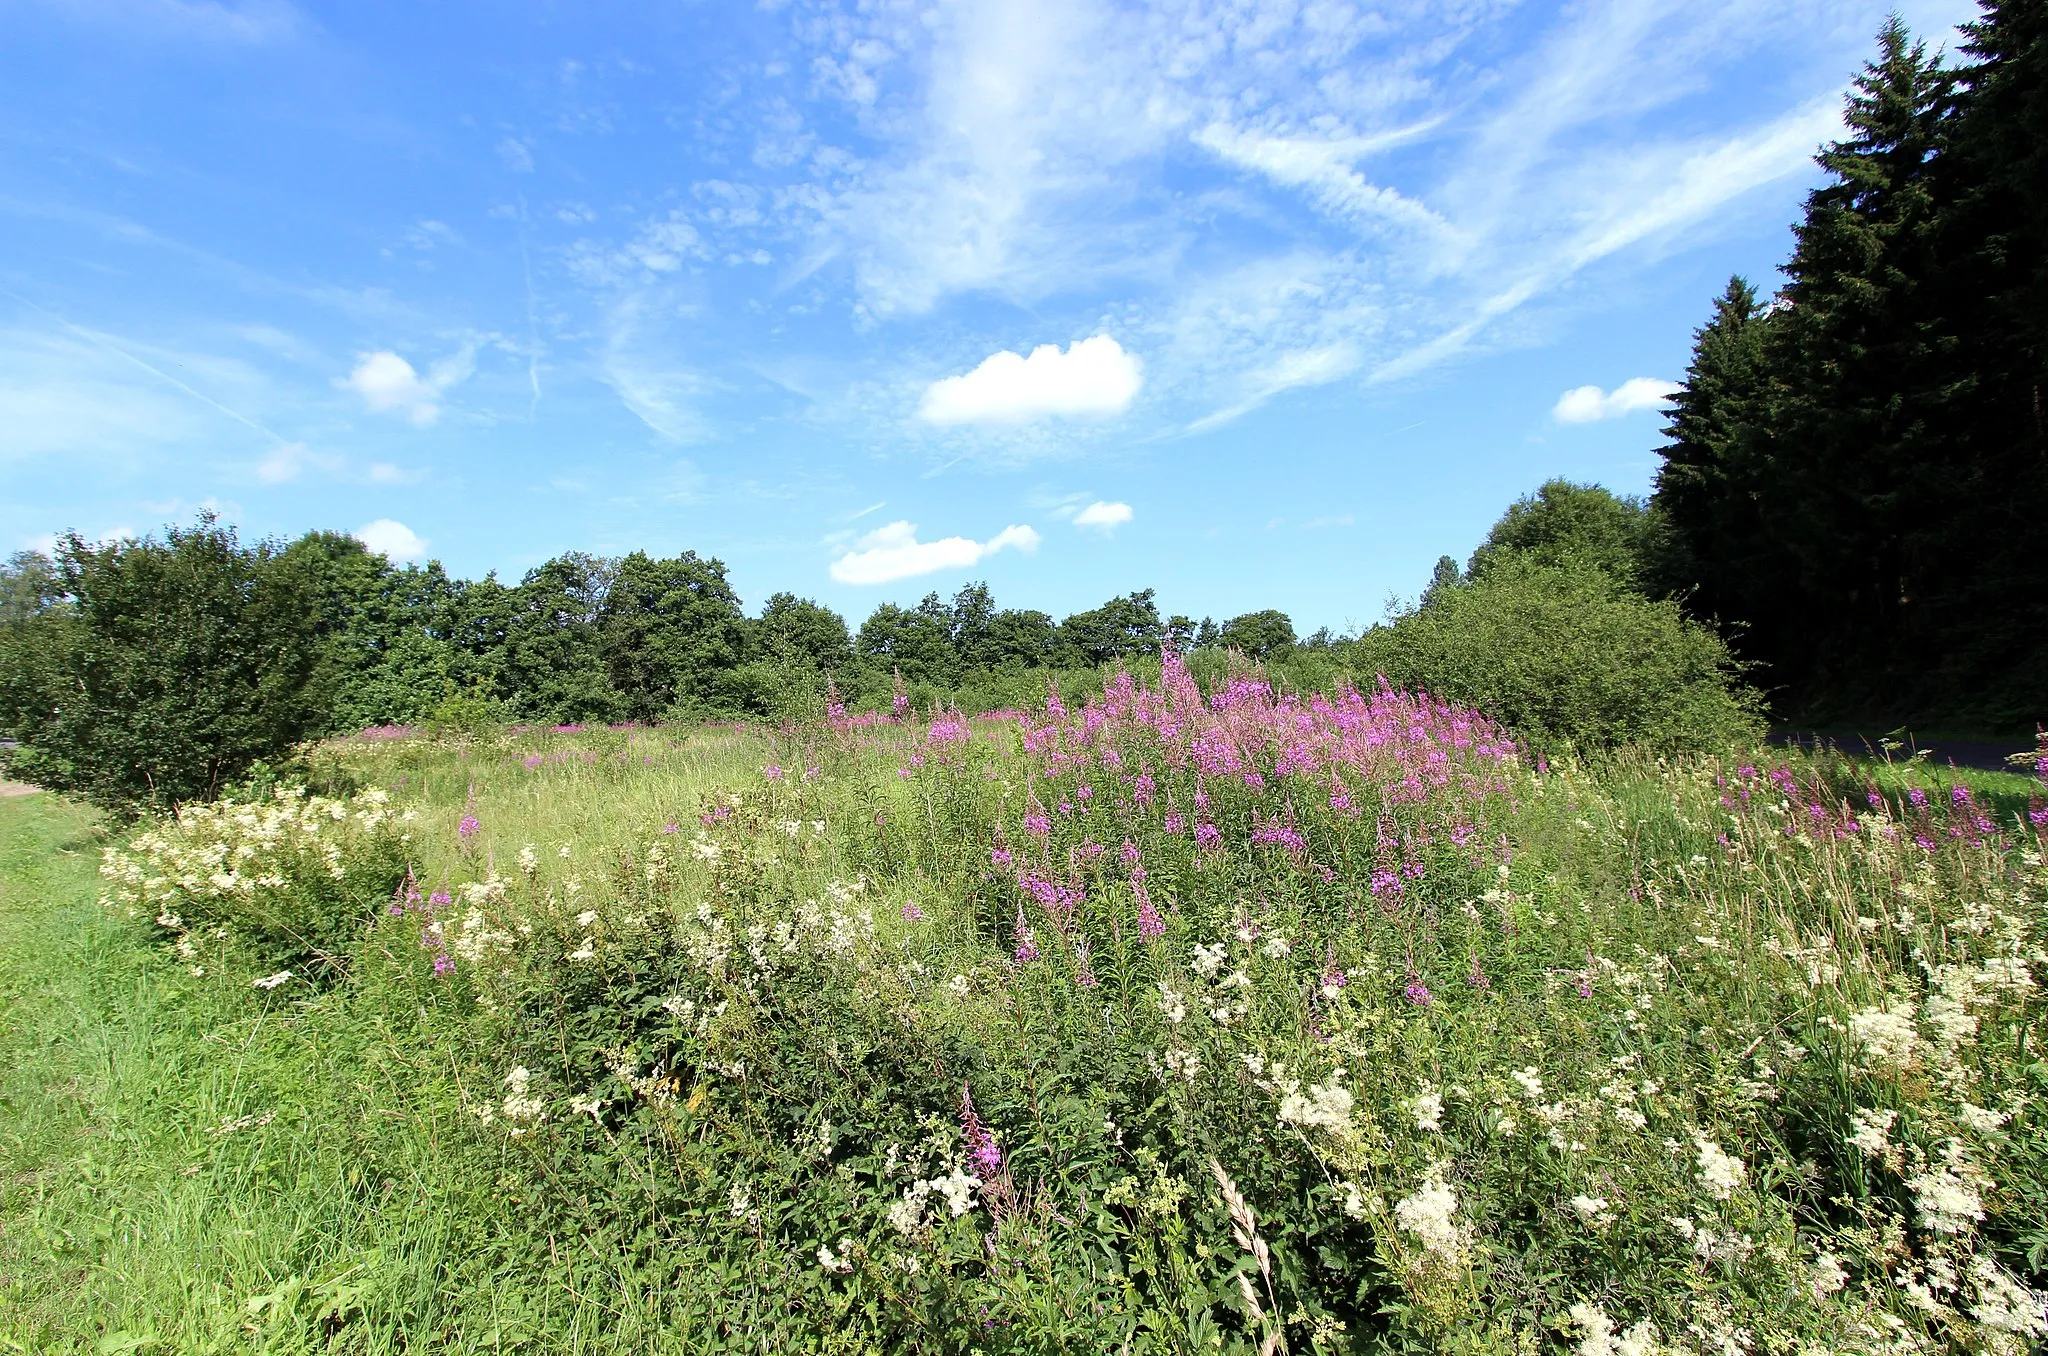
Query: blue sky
[[1260, 304]]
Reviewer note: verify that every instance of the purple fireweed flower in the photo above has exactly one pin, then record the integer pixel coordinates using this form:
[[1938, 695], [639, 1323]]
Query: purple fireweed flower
[[772, 773], [671, 827], [1027, 945], [1143, 788], [443, 966], [1585, 986], [532, 761], [1174, 822], [1917, 797], [1037, 825], [1201, 799], [1476, 978], [1084, 973], [1084, 792], [911, 913], [982, 1150], [439, 897], [999, 856], [1207, 836], [1959, 795], [1417, 993], [468, 826], [1150, 924], [1128, 853]]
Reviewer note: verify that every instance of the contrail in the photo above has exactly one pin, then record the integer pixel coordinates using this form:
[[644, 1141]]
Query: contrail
[[93, 337]]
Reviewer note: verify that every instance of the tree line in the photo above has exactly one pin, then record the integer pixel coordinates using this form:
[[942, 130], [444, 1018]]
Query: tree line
[[148, 673]]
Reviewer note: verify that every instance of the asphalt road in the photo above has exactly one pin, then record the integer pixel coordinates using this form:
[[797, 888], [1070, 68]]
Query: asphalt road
[[1985, 754]]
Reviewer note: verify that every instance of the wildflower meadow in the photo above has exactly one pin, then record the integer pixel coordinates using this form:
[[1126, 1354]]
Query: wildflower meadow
[[1244, 1019]]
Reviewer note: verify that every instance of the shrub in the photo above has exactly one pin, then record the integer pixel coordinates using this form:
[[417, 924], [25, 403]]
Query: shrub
[[184, 662], [295, 876], [1568, 655]]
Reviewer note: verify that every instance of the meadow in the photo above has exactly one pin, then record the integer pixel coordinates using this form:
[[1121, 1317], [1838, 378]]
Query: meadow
[[1171, 1021]]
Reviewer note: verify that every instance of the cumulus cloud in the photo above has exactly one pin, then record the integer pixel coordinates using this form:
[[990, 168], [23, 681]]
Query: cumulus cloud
[[1090, 377], [1586, 404], [389, 384], [393, 539], [893, 552], [1103, 514]]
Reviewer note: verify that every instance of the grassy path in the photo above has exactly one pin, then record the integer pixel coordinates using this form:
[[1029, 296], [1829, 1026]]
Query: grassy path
[[188, 1165], [183, 1165]]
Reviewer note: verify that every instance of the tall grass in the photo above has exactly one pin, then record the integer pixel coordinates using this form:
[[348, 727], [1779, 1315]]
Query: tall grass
[[1312, 1024]]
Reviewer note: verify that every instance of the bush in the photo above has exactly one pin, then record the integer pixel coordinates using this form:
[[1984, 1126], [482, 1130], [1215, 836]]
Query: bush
[[1567, 654], [184, 662], [295, 876]]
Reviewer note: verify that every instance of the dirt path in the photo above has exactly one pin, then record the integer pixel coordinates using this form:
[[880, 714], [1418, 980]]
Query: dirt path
[[17, 789]]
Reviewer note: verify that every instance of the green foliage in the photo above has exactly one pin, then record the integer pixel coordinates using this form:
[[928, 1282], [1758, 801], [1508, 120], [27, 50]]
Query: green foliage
[[291, 877], [471, 713], [1852, 470], [1564, 522], [1567, 655], [702, 1090], [798, 630], [29, 587], [1262, 635], [1122, 628], [185, 661]]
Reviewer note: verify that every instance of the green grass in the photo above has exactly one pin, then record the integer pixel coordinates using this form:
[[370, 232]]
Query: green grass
[[191, 1164], [131, 1221]]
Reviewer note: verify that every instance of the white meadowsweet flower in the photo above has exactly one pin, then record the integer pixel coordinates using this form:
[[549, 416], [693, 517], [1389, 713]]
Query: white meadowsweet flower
[[1720, 1173], [1428, 1109], [1170, 1003], [837, 1263], [1829, 1276], [1531, 1081], [1885, 1036], [521, 1104], [1430, 1214], [1873, 1129], [1208, 960], [1593, 1210], [272, 981], [2003, 1304], [1597, 1330], [1325, 1106], [1949, 1202], [1980, 1118]]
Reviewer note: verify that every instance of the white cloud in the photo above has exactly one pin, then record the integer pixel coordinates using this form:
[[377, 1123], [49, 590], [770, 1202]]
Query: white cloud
[[286, 461], [1323, 167], [393, 539], [1106, 515], [1091, 377], [516, 157], [893, 552], [388, 383], [1586, 404]]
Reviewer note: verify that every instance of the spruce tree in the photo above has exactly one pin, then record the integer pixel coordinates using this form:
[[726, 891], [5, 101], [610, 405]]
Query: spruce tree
[[1869, 362]]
